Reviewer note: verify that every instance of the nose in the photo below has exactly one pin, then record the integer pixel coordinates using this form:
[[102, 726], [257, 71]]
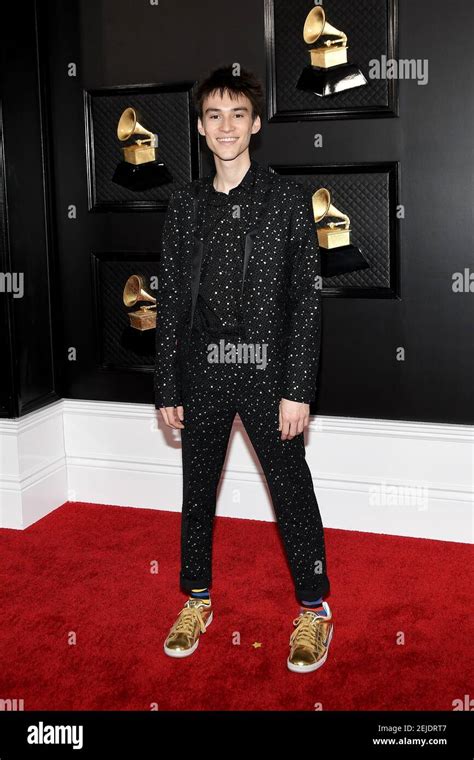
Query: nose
[[227, 123]]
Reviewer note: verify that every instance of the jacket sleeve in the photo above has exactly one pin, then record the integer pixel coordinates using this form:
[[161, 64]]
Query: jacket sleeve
[[304, 344], [166, 376]]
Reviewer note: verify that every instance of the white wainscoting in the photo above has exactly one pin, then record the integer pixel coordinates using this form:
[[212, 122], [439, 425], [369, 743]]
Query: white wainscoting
[[381, 476], [33, 468]]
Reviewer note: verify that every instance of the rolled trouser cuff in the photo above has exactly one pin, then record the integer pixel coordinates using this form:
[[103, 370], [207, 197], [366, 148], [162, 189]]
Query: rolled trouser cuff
[[187, 584], [314, 593]]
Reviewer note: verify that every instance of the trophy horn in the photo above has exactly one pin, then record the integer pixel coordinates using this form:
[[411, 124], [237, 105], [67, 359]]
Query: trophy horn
[[135, 291], [129, 125], [317, 28], [322, 207]]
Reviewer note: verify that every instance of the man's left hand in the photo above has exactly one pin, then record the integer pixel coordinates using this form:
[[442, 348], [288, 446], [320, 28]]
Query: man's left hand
[[294, 417]]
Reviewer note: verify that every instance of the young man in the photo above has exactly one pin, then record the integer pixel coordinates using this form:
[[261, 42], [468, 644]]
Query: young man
[[239, 330]]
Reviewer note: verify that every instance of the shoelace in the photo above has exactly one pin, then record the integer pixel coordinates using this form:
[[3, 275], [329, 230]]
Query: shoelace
[[187, 620], [308, 631]]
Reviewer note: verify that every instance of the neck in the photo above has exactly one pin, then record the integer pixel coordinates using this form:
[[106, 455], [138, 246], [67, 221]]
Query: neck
[[229, 174]]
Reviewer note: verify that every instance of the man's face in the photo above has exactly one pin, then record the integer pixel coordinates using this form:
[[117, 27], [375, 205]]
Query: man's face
[[227, 124]]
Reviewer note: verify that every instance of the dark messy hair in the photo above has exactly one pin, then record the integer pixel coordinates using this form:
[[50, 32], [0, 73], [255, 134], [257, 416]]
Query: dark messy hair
[[224, 78]]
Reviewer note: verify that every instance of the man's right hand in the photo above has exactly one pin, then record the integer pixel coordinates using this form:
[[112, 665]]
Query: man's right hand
[[173, 416]]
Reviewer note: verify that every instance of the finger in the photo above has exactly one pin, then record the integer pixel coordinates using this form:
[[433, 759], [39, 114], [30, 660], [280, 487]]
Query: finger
[[180, 411], [282, 427], [176, 422], [170, 416], [164, 415], [279, 417], [293, 429], [285, 429]]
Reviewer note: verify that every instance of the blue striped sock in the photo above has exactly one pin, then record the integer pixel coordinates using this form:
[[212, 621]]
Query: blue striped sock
[[316, 606], [200, 593]]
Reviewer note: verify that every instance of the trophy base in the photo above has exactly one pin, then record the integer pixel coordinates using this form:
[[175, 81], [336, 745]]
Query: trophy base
[[333, 238], [143, 319], [139, 177], [324, 82], [342, 260]]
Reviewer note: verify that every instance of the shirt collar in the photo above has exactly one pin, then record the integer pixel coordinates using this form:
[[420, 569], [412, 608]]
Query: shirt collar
[[245, 184]]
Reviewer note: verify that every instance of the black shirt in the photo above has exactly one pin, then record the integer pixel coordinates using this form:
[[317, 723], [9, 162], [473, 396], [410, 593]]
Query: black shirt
[[218, 304]]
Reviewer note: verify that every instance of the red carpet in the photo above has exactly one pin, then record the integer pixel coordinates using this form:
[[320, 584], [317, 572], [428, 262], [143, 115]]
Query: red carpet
[[85, 570]]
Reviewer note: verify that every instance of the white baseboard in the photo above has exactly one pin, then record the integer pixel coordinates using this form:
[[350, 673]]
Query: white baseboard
[[33, 472], [380, 476]]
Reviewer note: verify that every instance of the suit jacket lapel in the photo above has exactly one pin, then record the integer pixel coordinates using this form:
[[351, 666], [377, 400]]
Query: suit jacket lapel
[[260, 200], [200, 190]]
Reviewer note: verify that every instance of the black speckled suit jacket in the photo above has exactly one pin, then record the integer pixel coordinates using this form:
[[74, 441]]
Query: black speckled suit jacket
[[281, 285]]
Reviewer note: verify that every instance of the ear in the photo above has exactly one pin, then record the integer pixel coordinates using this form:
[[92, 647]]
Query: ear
[[200, 127], [257, 125]]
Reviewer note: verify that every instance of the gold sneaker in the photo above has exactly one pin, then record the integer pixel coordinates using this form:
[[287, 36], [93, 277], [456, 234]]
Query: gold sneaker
[[309, 642], [193, 620]]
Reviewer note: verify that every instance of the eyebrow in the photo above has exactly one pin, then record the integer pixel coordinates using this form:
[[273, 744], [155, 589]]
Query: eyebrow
[[238, 108]]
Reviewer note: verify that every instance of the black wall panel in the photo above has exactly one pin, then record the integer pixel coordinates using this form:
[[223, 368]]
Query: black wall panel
[[28, 340], [121, 42]]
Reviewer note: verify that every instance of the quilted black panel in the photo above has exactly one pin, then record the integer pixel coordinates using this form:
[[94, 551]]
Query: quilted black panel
[[160, 109], [367, 24], [368, 196], [119, 345]]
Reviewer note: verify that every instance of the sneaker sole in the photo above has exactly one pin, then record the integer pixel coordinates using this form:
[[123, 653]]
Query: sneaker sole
[[311, 668], [187, 652]]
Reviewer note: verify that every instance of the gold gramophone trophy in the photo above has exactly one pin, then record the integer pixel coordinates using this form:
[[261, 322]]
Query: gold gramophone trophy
[[135, 292], [328, 72], [334, 234], [335, 237], [140, 152], [141, 169]]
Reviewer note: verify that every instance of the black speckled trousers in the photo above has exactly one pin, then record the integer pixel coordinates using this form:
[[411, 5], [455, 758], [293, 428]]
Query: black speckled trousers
[[212, 394]]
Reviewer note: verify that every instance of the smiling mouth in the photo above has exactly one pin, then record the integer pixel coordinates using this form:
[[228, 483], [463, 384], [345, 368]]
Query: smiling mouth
[[227, 139]]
